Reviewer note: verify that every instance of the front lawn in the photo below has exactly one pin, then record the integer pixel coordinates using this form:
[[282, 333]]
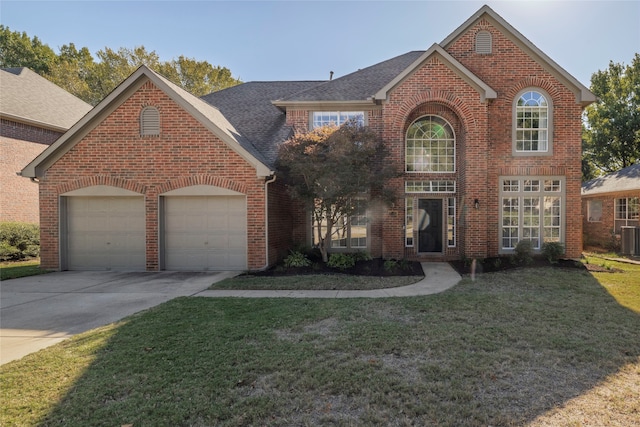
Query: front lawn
[[15, 269], [526, 347]]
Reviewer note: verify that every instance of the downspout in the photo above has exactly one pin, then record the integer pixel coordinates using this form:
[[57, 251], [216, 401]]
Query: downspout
[[266, 222]]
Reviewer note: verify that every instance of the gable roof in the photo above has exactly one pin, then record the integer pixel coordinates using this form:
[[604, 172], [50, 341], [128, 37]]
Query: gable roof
[[249, 108], [27, 97], [483, 89], [627, 179], [583, 95], [205, 113]]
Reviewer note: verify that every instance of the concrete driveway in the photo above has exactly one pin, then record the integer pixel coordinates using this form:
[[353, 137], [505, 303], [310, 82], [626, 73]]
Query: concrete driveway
[[39, 311]]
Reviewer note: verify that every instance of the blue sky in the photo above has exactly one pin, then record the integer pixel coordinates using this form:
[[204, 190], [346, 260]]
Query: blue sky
[[305, 40]]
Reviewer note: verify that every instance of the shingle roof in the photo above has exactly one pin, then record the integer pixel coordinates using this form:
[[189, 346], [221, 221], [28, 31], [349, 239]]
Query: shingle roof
[[27, 97], [360, 85], [623, 180], [250, 109]]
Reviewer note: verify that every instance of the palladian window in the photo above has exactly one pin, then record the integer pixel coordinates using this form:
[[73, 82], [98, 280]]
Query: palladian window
[[430, 146]]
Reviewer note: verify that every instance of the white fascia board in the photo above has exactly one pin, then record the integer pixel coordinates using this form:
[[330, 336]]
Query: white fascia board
[[485, 91]]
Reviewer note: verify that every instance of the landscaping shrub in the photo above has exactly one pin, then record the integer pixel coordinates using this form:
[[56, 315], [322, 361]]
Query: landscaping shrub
[[297, 259], [341, 261], [552, 251], [524, 252], [19, 240]]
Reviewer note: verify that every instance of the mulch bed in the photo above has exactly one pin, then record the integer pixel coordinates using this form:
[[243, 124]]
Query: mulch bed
[[495, 264], [374, 267]]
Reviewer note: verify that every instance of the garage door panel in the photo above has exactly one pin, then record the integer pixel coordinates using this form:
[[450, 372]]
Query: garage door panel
[[105, 233], [205, 233]]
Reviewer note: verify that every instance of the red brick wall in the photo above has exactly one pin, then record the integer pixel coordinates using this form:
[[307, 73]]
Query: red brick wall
[[19, 196], [601, 233], [508, 70], [184, 154], [25, 132], [483, 142]]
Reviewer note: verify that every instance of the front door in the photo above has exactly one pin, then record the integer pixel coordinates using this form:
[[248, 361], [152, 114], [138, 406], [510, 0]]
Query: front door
[[430, 225]]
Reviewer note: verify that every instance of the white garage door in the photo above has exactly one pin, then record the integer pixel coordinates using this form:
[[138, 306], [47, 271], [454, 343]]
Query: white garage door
[[205, 233], [105, 233]]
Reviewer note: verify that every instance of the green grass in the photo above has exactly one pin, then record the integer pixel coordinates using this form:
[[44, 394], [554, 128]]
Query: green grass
[[624, 285], [13, 270], [317, 282], [527, 347]]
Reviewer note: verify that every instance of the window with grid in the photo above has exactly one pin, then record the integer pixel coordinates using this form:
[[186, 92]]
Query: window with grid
[[627, 212], [532, 120], [349, 232], [337, 118], [531, 210], [408, 222], [430, 146]]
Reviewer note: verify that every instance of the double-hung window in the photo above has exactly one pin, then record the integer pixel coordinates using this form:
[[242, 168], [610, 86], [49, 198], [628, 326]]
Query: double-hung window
[[532, 208], [349, 231], [532, 123]]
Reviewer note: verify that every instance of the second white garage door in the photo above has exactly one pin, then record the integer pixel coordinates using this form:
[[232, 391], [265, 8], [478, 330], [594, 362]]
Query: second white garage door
[[205, 233]]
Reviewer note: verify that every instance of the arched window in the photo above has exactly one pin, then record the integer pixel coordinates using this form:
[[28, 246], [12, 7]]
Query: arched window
[[149, 121], [430, 146], [532, 122], [483, 42]]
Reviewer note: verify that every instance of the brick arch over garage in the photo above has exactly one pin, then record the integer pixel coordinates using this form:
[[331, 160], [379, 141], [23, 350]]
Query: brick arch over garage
[[92, 181], [215, 181]]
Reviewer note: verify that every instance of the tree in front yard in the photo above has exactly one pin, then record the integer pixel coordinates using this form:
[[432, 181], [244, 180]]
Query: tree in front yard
[[336, 171]]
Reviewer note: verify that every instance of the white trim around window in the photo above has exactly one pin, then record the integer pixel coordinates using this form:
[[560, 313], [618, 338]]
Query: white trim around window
[[532, 117], [531, 208]]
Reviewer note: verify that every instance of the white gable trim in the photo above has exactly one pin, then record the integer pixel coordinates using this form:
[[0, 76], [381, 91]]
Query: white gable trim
[[485, 91], [583, 95], [129, 86]]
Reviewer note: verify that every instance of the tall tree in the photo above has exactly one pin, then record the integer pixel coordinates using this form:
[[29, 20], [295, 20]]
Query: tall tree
[[329, 168], [19, 50], [612, 133], [72, 71], [197, 77]]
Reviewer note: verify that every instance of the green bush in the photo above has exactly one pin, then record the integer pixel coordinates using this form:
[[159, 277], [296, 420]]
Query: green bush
[[390, 264], [341, 261], [552, 251], [524, 252], [19, 240], [296, 259]]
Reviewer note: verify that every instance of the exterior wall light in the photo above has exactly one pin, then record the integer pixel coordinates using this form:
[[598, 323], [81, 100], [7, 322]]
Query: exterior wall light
[[476, 204]]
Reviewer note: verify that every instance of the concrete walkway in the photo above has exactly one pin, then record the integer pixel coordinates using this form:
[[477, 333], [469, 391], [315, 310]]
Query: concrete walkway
[[438, 277]]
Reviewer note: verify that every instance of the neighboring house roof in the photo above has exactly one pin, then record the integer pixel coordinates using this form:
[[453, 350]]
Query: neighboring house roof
[[583, 95], [627, 179], [205, 113], [29, 98]]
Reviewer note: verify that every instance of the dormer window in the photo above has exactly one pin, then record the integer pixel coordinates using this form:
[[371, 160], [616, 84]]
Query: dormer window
[[150, 122], [483, 42]]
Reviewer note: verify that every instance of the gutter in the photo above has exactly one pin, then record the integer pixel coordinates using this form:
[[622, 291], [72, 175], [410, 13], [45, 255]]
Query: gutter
[[266, 222]]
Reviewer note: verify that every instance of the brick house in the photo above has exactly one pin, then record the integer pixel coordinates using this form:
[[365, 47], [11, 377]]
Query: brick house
[[33, 113], [609, 203], [485, 126]]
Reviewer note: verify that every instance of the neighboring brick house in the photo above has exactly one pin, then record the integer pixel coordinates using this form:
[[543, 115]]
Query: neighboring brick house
[[609, 203], [485, 126], [33, 113]]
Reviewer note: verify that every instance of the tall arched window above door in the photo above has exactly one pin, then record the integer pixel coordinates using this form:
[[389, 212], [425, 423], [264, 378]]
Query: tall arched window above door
[[430, 146], [149, 121]]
